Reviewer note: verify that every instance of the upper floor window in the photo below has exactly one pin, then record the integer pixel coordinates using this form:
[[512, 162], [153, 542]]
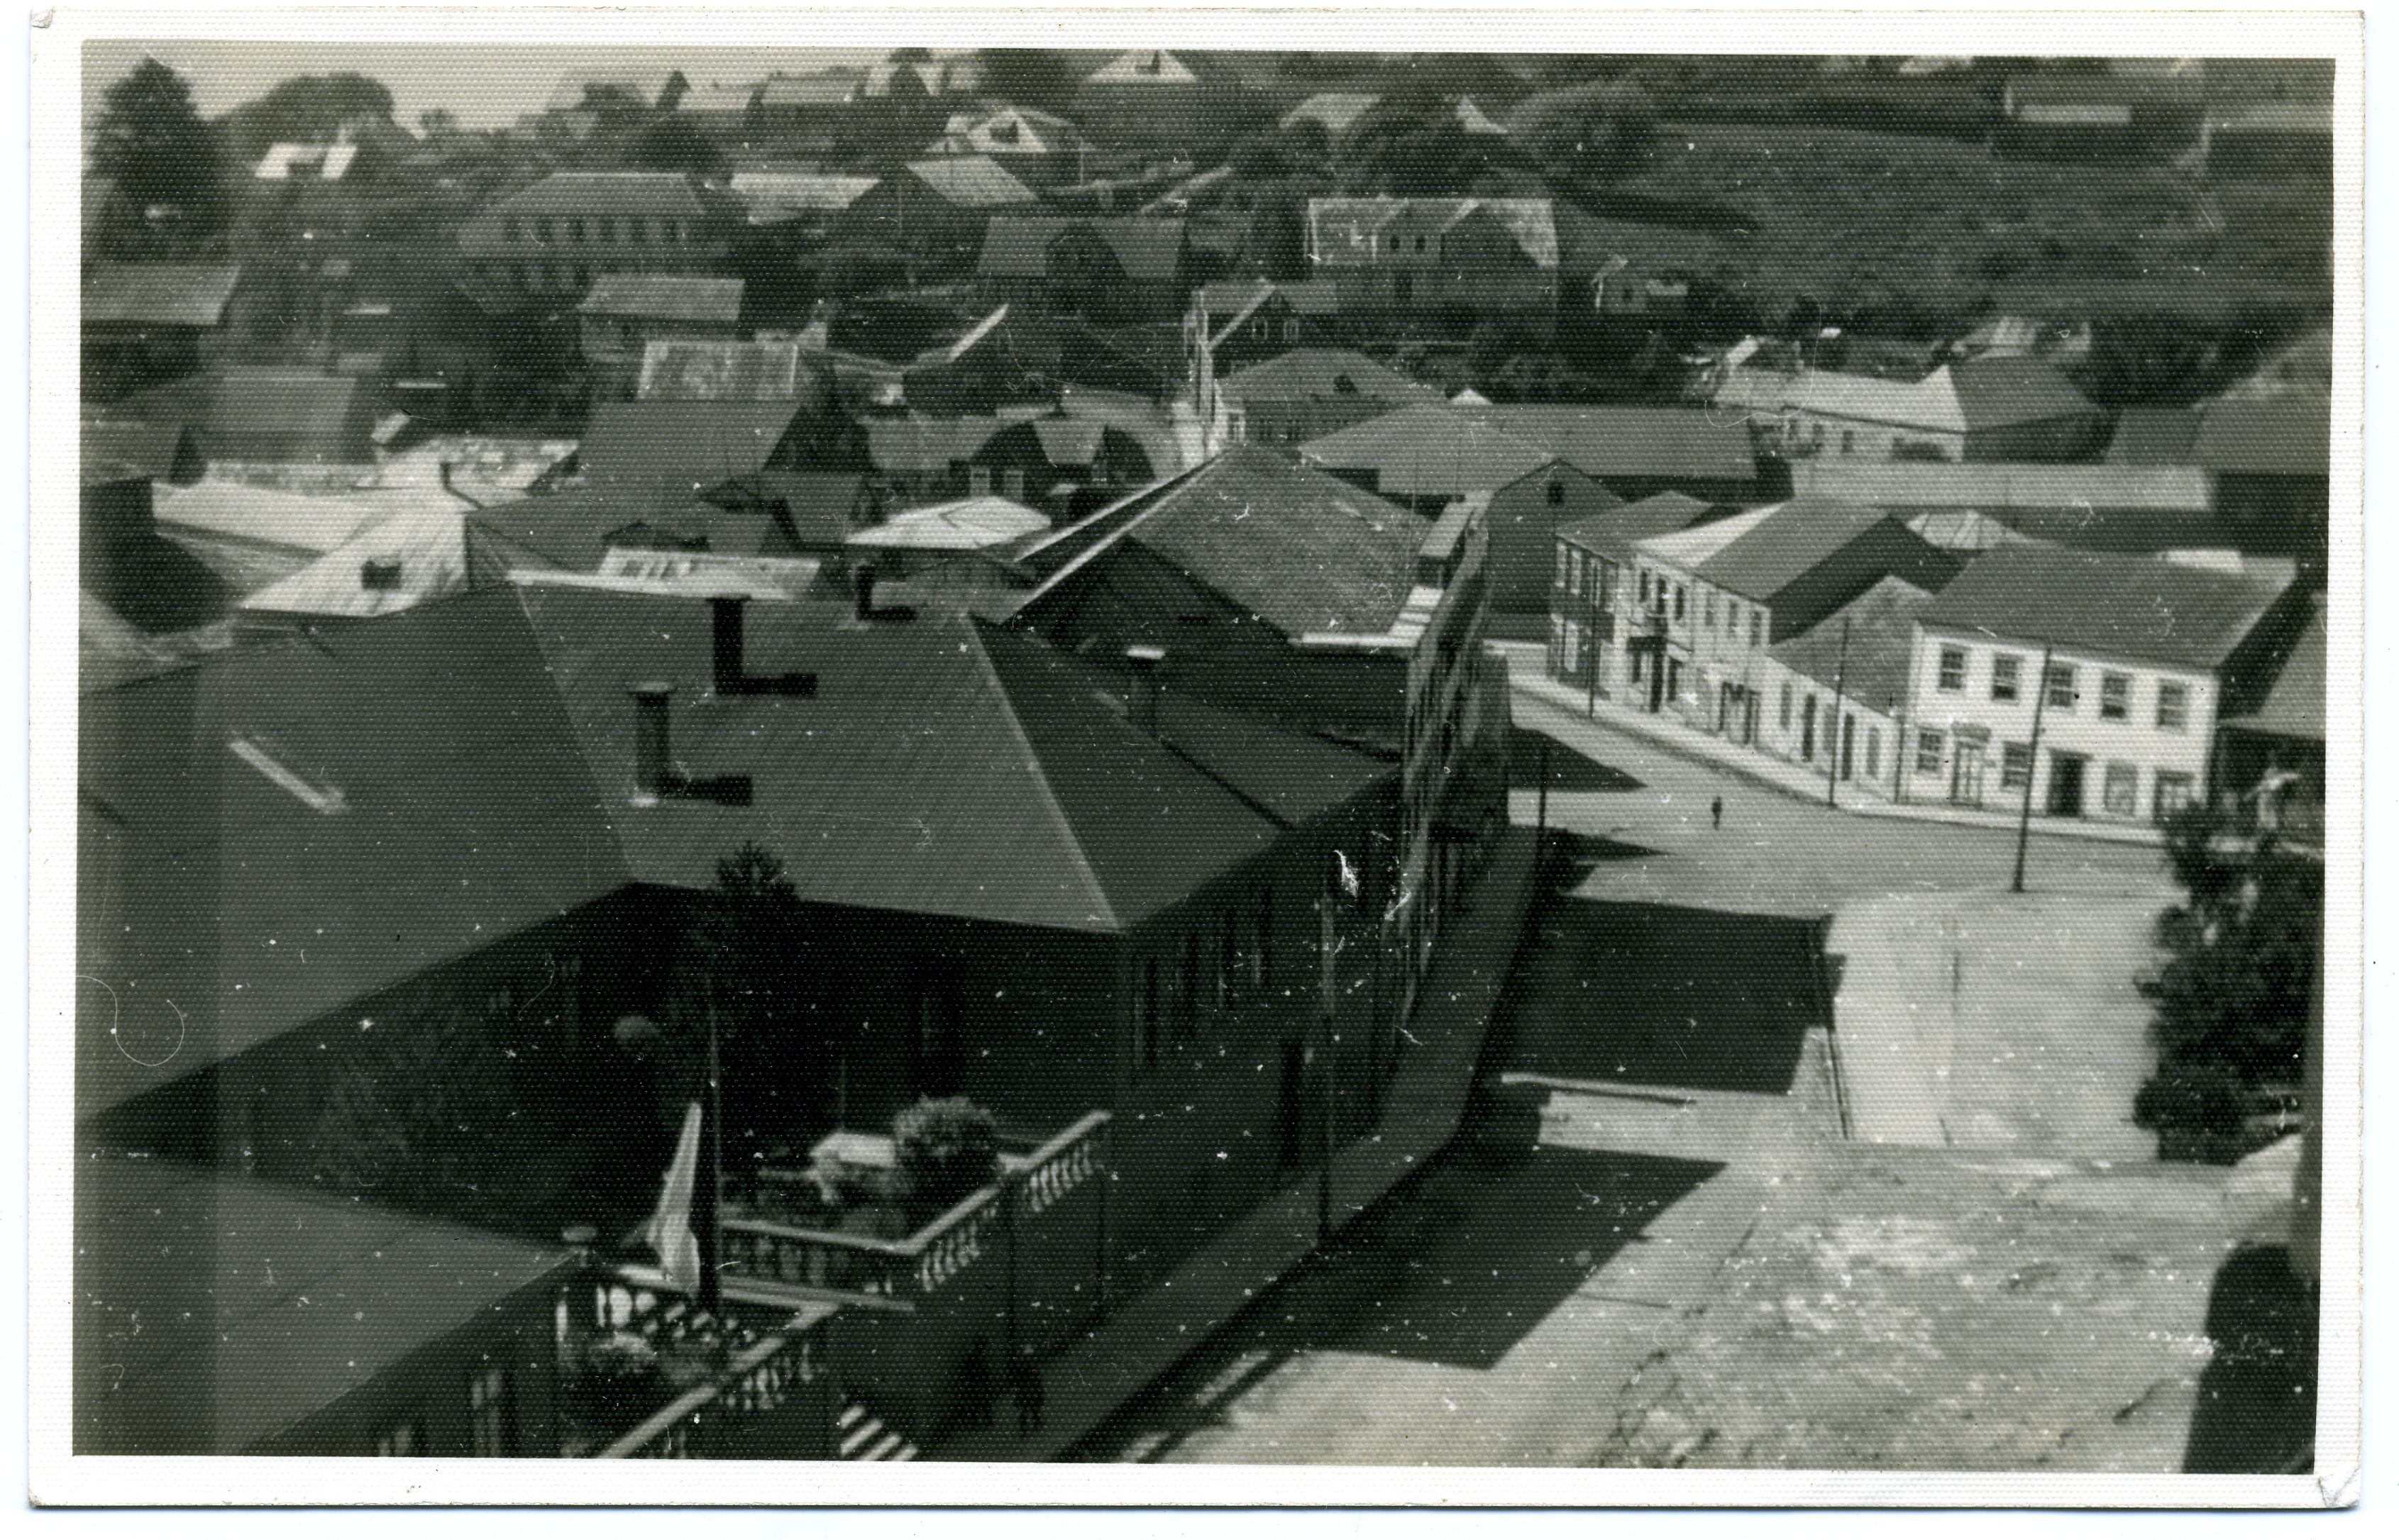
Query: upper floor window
[[1557, 494], [1756, 627], [2005, 669], [1682, 600], [575, 231], [2115, 696], [2062, 692], [1953, 667], [1708, 611], [2173, 706], [491, 1413], [1290, 329]]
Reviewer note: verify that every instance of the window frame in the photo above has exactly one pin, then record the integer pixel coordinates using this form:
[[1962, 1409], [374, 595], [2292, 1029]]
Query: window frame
[[2016, 768], [2061, 687], [2173, 706], [1951, 665], [2006, 677], [2115, 695], [1931, 751]]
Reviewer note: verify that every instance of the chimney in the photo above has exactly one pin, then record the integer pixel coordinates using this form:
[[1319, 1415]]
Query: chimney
[[725, 611], [865, 580], [650, 742], [1146, 663]]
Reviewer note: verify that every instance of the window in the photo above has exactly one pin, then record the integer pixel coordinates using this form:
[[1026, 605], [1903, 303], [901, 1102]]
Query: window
[[2173, 706], [1682, 600], [1953, 667], [2174, 793], [1873, 750], [1013, 482], [2005, 669], [979, 480], [1928, 753], [1848, 442], [1756, 627], [2062, 694], [1645, 590], [2115, 697], [1786, 706], [1557, 494], [1558, 578], [489, 1412], [542, 231], [1290, 329], [575, 231], [638, 231], [2015, 766], [1187, 1020], [2122, 796], [1732, 620], [402, 1440], [1708, 611]]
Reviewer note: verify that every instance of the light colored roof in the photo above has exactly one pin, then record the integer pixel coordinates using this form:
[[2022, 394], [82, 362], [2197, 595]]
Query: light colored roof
[[1010, 131], [691, 574], [825, 89], [1342, 231], [328, 162], [158, 293], [1689, 548], [1335, 109], [1429, 451], [776, 195], [700, 369], [1967, 397], [972, 523], [1308, 372], [971, 182], [262, 517], [2001, 484], [1961, 530], [429, 555], [1144, 67], [663, 296]]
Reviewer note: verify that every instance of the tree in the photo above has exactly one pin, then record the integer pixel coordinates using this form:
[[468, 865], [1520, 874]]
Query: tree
[[676, 144], [1588, 134], [1276, 244], [2232, 999], [737, 950], [166, 161], [1410, 144], [307, 109], [1029, 77], [438, 123]]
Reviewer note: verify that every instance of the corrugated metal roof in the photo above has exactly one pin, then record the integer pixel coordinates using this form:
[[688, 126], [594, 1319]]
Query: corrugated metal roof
[[213, 1311], [2129, 606], [1429, 451], [1863, 646], [665, 297], [1150, 250], [684, 445], [1798, 536], [157, 293]]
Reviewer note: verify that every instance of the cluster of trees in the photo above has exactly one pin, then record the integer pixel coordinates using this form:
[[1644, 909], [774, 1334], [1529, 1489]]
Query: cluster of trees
[[2232, 998]]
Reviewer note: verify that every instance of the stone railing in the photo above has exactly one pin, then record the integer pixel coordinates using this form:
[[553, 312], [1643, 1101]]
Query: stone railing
[[763, 1378], [920, 1265]]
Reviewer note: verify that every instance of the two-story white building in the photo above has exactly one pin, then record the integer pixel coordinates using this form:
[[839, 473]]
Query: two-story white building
[[2122, 661]]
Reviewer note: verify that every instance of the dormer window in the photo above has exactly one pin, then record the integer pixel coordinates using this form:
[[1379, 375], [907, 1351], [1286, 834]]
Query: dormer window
[[1557, 494]]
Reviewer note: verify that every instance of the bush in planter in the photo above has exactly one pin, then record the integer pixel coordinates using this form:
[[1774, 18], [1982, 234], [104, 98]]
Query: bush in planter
[[944, 1149], [621, 1357]]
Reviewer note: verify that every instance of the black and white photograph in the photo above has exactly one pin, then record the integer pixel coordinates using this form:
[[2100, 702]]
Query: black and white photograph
[[1488, 760]]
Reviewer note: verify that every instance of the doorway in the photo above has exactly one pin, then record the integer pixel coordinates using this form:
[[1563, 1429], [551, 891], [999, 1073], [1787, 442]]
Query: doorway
[[2065, 785], [1966, 782]]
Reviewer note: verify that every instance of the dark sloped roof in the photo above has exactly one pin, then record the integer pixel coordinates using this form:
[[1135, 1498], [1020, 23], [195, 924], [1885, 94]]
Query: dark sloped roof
[[662, 296], [1150, 251], [162, 452], [686, 445], [2293, 706], [248, 411], [2002, 392], [2153, 436], [1308, 372], [577, 529], [2129, 606], [1683, 442], [1611, 533], [1301, 550], [1794, 541], [2289, 433], [1429, 451], [654, 195], [1863, 646], [157, 293], [905, 444], [814, 508], [213, 1311]]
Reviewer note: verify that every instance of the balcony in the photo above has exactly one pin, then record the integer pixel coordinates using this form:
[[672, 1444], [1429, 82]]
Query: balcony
[[647, 1374]]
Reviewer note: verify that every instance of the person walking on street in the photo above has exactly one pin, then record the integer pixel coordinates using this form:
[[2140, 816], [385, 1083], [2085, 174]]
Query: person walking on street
[[1716, 812]]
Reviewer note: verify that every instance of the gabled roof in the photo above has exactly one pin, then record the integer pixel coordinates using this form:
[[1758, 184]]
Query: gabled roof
[[1971, 395], [971, 524], [1630, 441], [1010, 131], [2133, 607], [681, 444], [1427, 450], [697, 370], [1333, 110], [1998, 484], [1307, 374], [282, 522], [1798, 537], [162, 452], [1150, 251], [971, 182], [216, 1311], [639, 194], [1235, 299], [2294, 706], [576, 530], [2003, 392], [2289, 434], [1302, 551], [777, 195], [1863, 647], [426, 556], [824, 88], [905, 444], [663, 296], [1342, 232], [1692, 546], [717, 96], [157, 293], [1151, 67], [264, 412], [1613, 532]]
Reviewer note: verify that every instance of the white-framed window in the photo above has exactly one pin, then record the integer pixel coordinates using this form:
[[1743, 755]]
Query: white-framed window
[[1873, 750], [2174, 793], [1786, 706], [2006, 671], [1558, 578], [2122, 794], [2015, 766], [2173, 706], [1756, 627], [1953, 669], [2062, 691], [2115, 696], [1928, 752]]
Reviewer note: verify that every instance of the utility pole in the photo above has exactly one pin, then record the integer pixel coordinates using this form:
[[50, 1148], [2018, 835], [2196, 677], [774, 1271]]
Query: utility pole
[[2032, 772], [1836, 742], [1591, 637], [710, 1227]]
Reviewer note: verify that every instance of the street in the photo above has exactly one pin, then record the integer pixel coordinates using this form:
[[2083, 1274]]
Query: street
[[1652, 1078]]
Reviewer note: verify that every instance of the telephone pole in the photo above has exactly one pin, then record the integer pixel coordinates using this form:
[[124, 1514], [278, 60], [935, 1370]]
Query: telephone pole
[[1835, 741], [2032, 771]]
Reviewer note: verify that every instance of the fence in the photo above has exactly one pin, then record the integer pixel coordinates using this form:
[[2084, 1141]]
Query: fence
[[774, 1402]]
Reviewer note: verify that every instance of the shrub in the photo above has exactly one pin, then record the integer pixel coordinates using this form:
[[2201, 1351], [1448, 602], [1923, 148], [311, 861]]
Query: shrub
[[944, 1148]]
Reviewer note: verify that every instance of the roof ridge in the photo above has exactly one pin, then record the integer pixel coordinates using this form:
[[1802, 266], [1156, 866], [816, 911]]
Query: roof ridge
[[1098, 893]]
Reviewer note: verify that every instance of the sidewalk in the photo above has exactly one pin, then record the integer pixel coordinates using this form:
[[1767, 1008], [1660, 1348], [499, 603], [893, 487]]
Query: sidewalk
[[1528, 671], [1145, 1337]]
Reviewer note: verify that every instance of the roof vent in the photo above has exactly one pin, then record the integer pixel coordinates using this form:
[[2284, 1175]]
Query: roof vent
[[379, 574]]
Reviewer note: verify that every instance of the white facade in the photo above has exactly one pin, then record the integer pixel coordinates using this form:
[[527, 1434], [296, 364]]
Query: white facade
[[2122, 739]]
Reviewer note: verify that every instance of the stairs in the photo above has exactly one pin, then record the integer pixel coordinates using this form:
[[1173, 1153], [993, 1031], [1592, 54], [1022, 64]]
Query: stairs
[[863, 1437]]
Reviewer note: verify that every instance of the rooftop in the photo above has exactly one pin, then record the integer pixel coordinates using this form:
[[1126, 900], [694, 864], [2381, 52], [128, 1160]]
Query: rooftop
[[972, 523], [1308, 373], [1863, 647], [1613, 532], [1970, 396], [707, 369], [2294, 704], [402, 561], [1342, 232], [684, 445], [972, 182], [157, 293], [1148, 250], [660, 296], [2133, 607]]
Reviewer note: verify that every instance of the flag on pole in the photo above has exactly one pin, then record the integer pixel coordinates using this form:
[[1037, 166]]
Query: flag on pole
[[668, 1232]]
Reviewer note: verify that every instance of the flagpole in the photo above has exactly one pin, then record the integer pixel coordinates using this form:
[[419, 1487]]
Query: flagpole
[[711, 1227]]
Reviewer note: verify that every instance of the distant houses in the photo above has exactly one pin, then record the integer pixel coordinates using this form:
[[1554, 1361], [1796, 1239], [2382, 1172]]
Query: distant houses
[[1110, 271], [1445, 257], [1990, 408], [547, 244]]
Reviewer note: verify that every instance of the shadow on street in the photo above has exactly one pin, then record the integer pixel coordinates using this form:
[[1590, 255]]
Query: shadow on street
[[1656, 995], [1569, 769], [2256, 1410]]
